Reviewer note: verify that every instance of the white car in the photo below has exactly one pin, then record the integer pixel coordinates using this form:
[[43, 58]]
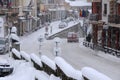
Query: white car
[[63, 25], [5, 68]]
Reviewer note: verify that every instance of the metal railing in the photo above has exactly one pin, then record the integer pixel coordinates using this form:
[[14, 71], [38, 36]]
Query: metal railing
[[114, 19]]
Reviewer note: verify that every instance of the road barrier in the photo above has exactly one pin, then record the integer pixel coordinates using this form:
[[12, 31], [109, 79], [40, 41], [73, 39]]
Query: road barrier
[[48, 65], [59, 68], [36, 62], [16, 54], [105, 49]]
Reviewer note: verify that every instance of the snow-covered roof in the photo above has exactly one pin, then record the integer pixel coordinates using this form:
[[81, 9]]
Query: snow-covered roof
[[79, 3], [48, 61], [68, 69], [16, 52], [25, 55], [92, 74], [15, 37], [36, 59]]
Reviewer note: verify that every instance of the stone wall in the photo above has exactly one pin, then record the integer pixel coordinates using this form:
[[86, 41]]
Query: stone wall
[[63, 34]]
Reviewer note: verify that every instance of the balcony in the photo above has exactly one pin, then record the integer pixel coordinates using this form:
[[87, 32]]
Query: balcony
[[94, 17], [114, 19]]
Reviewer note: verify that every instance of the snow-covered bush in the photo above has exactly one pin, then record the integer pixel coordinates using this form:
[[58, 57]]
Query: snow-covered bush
[[66, 70], [48, 65], [16, 54], [25, 56], [91, 74], [36, 61]]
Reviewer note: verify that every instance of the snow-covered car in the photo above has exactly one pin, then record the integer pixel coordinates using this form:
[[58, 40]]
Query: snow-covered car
[[72, 37], [70, 19], [63, 25], [5, 68], [3, 45]]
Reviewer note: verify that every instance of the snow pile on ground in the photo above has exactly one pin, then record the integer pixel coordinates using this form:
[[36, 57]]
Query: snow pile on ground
[[52, 77], [92, 74], [68, 69], [22, 71], [40, 75], [48, 61]]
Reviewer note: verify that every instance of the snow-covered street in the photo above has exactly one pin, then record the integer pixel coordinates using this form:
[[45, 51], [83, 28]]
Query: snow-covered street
[[76, 54]]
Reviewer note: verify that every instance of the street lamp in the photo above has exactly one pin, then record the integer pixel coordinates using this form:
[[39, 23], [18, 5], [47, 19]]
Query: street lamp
[[57, 49], [9, 43], [40, 39]]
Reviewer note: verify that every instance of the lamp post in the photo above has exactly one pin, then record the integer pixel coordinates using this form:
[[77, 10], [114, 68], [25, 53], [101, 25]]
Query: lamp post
[[57, 49], [40, 39], [9, 43]]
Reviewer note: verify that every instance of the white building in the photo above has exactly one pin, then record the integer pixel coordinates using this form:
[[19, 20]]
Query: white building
[[55, 8]]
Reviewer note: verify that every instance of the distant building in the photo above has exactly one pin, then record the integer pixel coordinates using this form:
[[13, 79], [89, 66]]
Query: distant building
[[52, 10]]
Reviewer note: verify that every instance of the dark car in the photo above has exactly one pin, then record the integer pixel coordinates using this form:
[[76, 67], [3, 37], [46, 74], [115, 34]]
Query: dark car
[[72, 37]]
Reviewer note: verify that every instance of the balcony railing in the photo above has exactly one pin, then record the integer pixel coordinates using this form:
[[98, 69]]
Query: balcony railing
[[114, 19], [94, 17]]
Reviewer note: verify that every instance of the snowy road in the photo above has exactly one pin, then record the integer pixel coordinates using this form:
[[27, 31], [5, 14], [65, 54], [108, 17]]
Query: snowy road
[[77, 55]]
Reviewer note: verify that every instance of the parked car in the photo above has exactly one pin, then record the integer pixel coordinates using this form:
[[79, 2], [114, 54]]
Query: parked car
[[5, 68], [4, 47], [72, 37], [63, 25]]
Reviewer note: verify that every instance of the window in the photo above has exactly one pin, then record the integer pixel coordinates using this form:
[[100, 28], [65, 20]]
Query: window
[[105, 9], [50, 1]]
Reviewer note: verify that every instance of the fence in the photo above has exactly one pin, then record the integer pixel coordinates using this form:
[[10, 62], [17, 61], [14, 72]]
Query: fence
[[59, 67], [105, 49]]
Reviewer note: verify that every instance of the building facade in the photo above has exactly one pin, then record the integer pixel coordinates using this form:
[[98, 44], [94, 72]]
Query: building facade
[[106, 25], [52, 10]]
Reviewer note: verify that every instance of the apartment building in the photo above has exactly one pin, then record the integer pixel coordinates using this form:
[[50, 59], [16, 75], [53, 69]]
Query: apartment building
[[105, 22]]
